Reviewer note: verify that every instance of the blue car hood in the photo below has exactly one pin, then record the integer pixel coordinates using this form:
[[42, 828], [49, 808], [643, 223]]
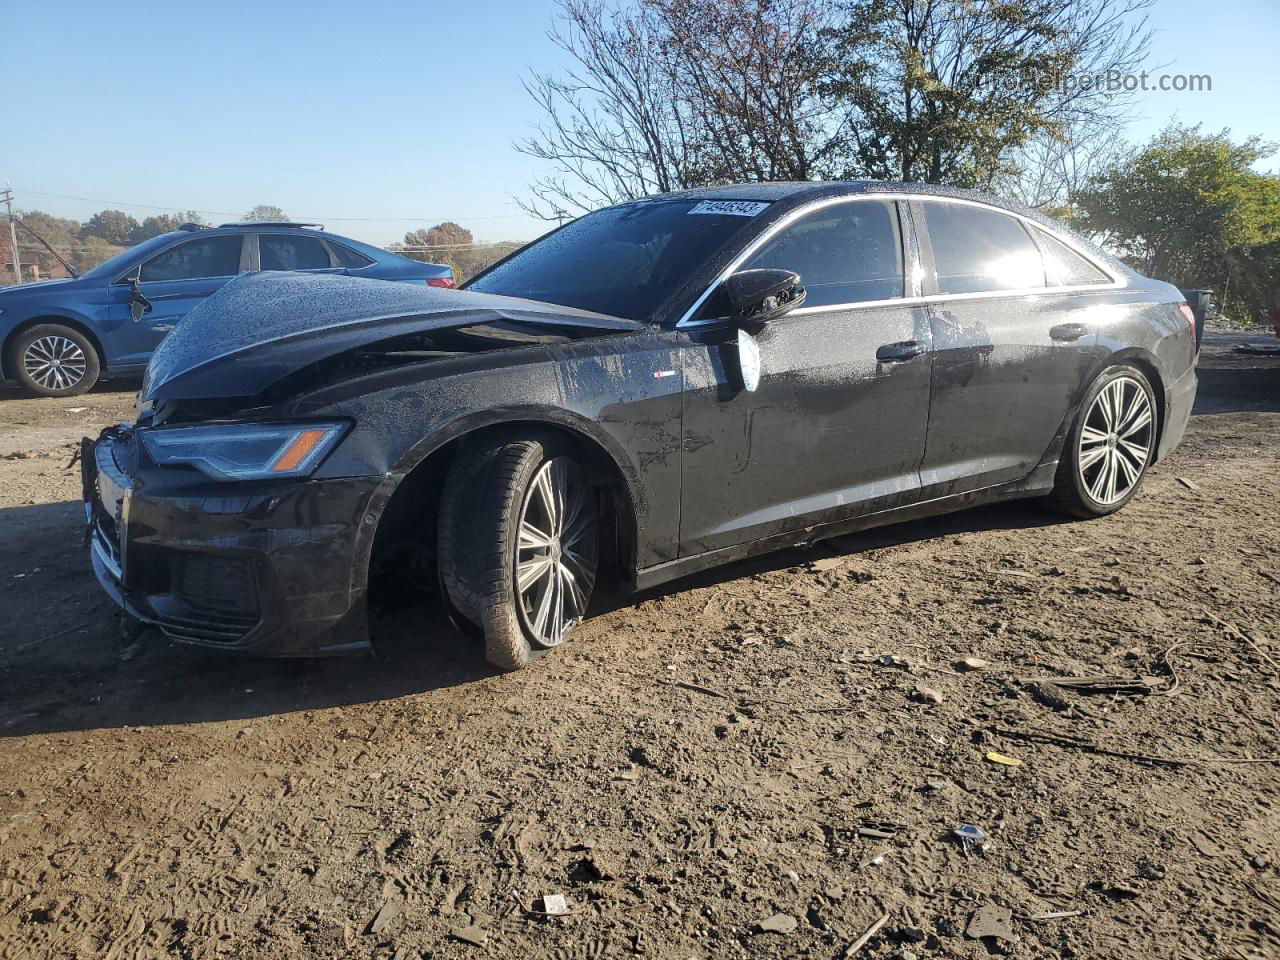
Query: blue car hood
[[263, 326]]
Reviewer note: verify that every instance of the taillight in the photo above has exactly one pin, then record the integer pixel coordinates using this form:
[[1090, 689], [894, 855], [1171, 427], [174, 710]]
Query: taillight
[[446, 282], [1189, 315]]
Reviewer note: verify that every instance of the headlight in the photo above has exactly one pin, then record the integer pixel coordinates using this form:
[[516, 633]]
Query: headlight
[[245, 451]]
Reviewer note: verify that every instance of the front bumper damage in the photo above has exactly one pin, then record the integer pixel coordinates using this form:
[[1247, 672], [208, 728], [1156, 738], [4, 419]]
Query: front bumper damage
[[275, 568]]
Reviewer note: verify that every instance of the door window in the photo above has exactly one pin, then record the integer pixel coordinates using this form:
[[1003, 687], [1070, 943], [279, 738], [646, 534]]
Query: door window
[[194, 260], [845, 253], [1065, 267], [976, 250], [278, 252]]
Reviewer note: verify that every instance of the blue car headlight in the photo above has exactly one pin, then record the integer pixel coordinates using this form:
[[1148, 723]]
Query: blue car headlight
[[245, 451]]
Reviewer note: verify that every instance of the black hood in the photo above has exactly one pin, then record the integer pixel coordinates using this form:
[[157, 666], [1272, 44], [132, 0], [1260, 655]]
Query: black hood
[[261, 327]]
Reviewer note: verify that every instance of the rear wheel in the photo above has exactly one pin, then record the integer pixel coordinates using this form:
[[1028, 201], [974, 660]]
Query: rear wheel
[[53, 360], [1110, 445], [519, 543]]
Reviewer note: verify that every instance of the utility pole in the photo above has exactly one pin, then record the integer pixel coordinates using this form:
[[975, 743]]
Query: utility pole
[[13, 235]]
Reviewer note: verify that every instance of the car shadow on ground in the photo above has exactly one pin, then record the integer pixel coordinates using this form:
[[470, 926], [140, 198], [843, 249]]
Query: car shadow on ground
[[66, 666], [1014, 515]]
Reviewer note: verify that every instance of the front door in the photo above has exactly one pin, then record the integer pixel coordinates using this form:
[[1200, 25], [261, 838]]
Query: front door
[[836, 426], [175, 281]]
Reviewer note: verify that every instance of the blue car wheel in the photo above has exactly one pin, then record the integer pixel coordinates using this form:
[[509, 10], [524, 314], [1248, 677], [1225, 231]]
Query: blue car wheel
[[55, 361]]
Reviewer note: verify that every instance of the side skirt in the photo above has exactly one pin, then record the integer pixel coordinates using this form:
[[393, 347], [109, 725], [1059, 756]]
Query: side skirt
[[1038, 483]]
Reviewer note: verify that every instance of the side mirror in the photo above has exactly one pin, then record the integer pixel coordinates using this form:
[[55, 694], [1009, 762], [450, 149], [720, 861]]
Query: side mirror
[[139, 305], [758, 296]]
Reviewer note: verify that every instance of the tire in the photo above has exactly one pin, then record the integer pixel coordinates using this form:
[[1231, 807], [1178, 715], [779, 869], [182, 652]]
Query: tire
[[51, 360], [519, 507], [1105, 459]]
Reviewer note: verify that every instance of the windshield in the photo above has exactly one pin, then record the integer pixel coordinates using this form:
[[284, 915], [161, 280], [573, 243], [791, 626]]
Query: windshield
[[623, 261], [121, 261]]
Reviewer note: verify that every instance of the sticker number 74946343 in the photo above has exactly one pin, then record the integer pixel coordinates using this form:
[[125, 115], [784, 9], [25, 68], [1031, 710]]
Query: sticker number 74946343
[[734, 208]]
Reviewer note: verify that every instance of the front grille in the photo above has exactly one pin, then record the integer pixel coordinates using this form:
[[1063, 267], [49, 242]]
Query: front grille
[[203, 631], [211, 599], [217, 586]]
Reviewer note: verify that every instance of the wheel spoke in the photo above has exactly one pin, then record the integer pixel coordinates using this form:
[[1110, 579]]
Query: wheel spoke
[[544, 607], [530, 572], [1142, 420], [531, 538], [576, 597], [548, 498], [1129, 470], [1089, 436], [1090, 457], [1137, 453]]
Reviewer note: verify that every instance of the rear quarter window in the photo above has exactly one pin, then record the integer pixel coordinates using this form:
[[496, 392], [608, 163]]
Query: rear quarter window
[[349, 258]]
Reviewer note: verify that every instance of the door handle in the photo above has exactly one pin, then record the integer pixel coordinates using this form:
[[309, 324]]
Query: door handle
[[899, 352], [1068, 331]]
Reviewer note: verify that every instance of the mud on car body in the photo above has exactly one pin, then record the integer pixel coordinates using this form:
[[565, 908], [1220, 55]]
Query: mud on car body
[[656, 388]]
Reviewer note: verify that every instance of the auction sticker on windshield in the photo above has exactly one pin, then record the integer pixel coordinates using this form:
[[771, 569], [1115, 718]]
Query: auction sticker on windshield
[[736, 208]]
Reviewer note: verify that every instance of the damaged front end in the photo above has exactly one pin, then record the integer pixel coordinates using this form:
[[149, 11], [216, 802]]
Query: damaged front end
[[265, 567], [209, 517]]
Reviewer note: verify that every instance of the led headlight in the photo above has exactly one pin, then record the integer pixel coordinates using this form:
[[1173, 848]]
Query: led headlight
[[246, 451]]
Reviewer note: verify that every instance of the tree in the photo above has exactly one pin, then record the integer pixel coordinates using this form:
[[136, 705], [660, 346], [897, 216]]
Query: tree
[[453, 245], [442, 234], [668, 94], [946, 91], [264, 211], [154, 226], [113, 226], [1188, 208]]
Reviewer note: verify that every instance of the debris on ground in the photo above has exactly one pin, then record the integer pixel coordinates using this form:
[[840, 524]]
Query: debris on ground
[[1261, 349], [1004, 761], [778, 923], [554, 905], [971, 838], [927, 694], [473, 935], [389, 911], [991, 921], [870, 932], [968, 664], [1051, 915]]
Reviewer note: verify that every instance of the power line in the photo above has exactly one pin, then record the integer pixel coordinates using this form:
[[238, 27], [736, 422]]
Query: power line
[[230, 213]]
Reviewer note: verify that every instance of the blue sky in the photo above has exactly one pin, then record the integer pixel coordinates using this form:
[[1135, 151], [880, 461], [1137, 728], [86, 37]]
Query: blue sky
[[403, 111]]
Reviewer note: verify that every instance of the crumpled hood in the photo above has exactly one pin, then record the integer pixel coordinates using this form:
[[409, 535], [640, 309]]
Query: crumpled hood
[[263, 326]]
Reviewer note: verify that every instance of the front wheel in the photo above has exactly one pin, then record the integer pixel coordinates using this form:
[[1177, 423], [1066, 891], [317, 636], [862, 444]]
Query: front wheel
[[53, 360], [1110, 445], [519, 543]]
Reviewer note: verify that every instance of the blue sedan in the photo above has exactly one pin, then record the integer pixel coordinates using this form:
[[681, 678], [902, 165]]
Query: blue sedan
[[59, 337]]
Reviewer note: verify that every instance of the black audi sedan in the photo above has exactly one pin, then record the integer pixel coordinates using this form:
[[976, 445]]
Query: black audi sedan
[[650, 390]]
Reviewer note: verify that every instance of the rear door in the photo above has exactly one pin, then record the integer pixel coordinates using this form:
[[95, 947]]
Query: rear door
[[175, 280], [1012, 342], [837, 423]]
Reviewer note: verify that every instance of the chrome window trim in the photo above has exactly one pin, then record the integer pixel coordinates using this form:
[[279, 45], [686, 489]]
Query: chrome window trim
[[686, 323]]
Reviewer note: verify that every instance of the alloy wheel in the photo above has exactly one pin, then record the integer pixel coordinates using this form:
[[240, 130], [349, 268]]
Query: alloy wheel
[[1116, 440], [55, 363], [556, 551]]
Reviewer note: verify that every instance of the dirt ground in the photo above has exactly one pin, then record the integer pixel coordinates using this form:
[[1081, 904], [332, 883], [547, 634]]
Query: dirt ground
[[789, 738]]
